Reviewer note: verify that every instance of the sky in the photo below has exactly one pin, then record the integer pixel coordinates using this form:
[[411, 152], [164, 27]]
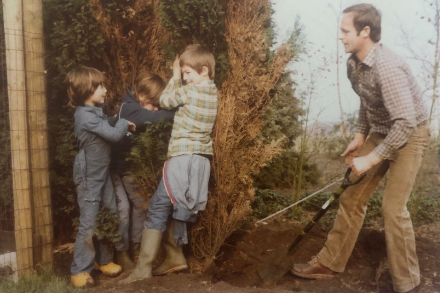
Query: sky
[[319, 18]]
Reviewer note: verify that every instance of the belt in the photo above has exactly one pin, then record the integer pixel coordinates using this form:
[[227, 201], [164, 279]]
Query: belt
[[209, 157]]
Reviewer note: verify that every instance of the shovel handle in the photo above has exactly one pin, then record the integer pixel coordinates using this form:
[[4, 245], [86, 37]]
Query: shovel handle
[[347, 182]]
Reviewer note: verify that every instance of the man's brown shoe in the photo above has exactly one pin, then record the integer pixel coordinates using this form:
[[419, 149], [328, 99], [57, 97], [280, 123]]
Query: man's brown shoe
[[313, 270], [415, 289]]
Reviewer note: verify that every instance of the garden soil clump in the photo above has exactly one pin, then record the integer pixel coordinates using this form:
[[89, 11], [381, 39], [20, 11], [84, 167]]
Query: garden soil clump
[[236, 267]]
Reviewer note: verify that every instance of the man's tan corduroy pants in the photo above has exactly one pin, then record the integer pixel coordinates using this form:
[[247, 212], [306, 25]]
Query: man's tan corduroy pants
[[399, 233]]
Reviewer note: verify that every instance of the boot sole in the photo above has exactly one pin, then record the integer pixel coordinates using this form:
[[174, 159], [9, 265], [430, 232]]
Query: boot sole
[[172, 270], [87, 285], [112, 275], [311, 276]]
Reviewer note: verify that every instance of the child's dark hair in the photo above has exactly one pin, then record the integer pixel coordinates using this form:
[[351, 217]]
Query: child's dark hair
[[150, 85], [82, 83], [196, 56]]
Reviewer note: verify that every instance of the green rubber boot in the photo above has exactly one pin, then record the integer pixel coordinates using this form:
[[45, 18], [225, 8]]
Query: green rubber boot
[[124, 260], [149, 247], [174, 260]]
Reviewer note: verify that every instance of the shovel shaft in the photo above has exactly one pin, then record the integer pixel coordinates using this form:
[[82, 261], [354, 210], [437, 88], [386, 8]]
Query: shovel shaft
[[316, 218], [280, 261]]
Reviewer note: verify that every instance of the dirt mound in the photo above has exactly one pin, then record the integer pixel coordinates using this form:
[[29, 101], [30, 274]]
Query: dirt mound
[[243, 254], [366, 271]]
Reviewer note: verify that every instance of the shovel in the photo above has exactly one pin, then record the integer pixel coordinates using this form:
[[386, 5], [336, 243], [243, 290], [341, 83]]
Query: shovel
[[280, 261]]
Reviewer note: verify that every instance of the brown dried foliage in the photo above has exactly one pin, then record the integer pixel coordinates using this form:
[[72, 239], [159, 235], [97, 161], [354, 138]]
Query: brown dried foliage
[[134, 36], [242, 101]]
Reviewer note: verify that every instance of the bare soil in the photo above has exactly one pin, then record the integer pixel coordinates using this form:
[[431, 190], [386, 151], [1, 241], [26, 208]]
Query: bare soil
[[236, 268]]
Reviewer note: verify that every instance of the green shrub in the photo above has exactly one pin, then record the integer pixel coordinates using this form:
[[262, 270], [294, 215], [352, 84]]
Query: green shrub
[[423, 205], [148, 154], [280, 172], [267, 202], [374, 208], [106, 227]]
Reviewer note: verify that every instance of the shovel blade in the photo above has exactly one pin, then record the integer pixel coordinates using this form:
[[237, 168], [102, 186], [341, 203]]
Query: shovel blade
[[278, 263]]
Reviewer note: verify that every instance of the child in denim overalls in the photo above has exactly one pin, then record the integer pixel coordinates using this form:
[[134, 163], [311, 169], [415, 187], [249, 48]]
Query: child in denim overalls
[[91, 171]]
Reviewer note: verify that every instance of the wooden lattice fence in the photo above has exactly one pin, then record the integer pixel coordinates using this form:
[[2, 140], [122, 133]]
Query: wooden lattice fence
[[25, 204]]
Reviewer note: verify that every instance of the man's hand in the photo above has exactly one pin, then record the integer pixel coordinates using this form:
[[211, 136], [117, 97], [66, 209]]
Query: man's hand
[[353, 149], [131, 126], [361, 165], [176, 68]]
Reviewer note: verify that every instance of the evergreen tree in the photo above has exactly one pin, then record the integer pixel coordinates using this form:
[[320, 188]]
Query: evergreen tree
[[196, 21]]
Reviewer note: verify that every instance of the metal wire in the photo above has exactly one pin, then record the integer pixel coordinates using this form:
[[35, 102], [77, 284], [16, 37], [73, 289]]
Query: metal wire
[[300, 201]]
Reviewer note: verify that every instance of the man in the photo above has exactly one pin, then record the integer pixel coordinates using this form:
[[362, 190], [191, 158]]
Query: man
[[392, 112]]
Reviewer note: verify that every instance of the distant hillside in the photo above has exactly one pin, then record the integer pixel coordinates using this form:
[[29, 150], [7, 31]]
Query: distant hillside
[[321, 129]]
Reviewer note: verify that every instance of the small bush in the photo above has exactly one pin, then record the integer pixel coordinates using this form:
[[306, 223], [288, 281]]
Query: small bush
[[423, 208], [315, 202], [267, 202], [148, 155], [106, 226], [374, 208], [281, 171]]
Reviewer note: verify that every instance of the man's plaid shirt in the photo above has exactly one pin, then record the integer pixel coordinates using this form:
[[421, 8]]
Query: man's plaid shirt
[[391, 100], [194, 118]]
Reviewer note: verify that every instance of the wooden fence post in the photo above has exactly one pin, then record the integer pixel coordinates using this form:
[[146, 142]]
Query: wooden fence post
[[38, 131], [12, 10]]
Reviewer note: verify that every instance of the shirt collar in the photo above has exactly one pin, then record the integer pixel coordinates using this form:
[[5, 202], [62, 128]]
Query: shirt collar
[[369, 60], [209, 81], [97, 109]]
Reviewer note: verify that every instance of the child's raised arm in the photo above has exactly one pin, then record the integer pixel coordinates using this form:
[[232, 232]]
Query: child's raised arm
[[173, 95]]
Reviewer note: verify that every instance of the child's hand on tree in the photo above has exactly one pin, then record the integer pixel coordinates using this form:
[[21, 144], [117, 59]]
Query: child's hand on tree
[[176, 68]]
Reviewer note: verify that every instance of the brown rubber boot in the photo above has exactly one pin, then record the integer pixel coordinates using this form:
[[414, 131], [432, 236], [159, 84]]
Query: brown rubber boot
[[313, 270], [124, 260], [174, 260], [149, 247]]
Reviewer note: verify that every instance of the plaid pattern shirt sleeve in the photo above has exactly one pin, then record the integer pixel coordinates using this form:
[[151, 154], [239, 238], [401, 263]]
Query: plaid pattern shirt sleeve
[[399, 103], [173, 95]]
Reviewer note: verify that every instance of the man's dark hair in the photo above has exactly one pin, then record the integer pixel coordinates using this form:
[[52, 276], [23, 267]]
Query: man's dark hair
[[366, 15]]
